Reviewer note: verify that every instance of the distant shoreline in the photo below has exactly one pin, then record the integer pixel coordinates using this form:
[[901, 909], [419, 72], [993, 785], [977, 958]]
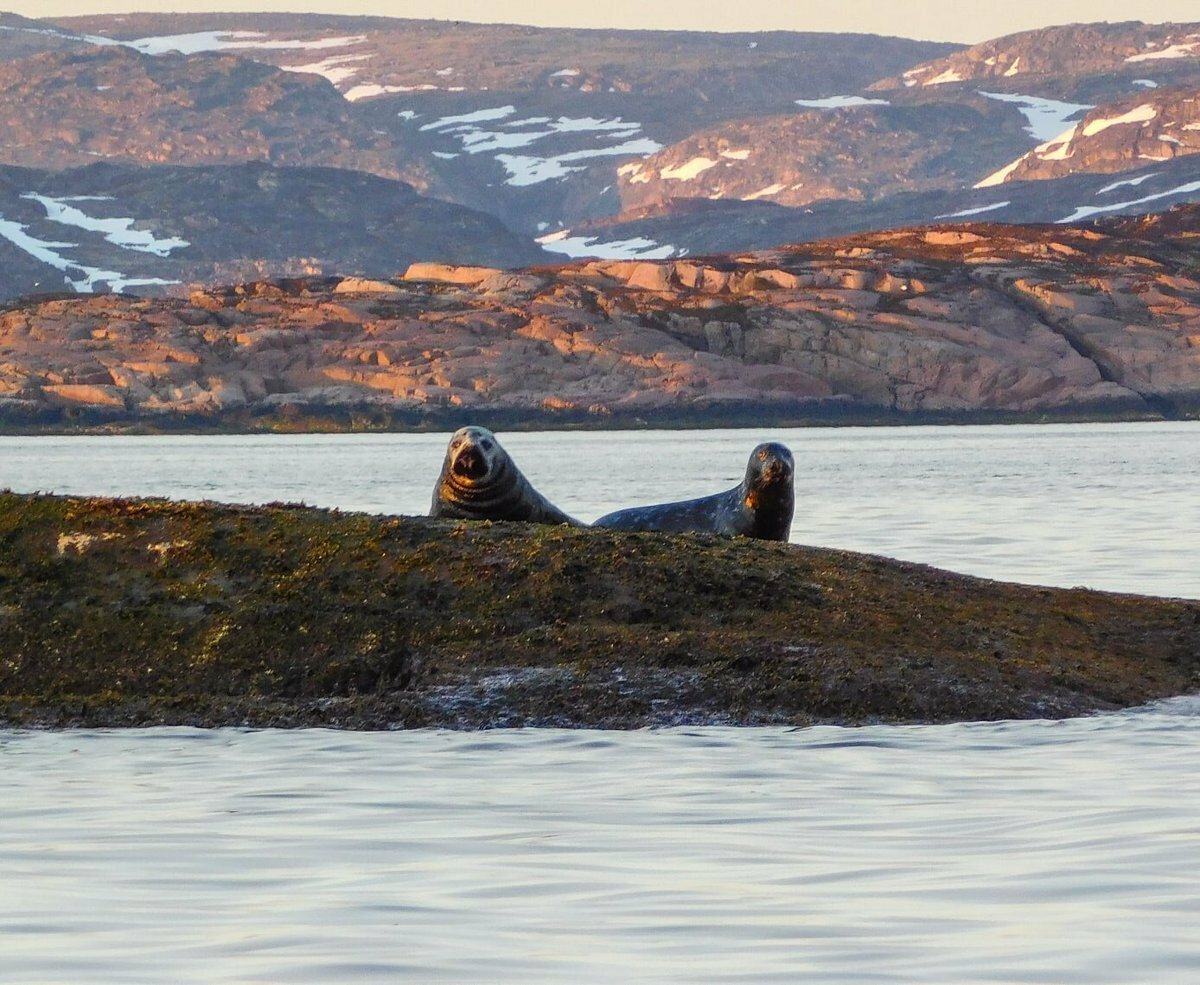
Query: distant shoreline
[[339, 420]]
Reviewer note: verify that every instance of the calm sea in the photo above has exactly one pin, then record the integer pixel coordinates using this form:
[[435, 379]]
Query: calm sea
[[1031, 852], [1112, 506]]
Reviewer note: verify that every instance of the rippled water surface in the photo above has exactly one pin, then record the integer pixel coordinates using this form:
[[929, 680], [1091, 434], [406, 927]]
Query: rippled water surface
[[1027, 852], [1033, 852], [1111, 506]]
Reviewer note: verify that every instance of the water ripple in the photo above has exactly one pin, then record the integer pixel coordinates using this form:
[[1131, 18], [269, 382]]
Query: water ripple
[[998, 852]]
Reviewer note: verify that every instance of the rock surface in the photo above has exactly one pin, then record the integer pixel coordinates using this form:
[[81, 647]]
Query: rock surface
[[140, 612], [852, 153], [1135, 132], [948, 322], [152, 230], [1078, 59]]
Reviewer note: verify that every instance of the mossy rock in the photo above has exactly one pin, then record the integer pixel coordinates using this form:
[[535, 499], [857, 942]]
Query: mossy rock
[[124, 612]]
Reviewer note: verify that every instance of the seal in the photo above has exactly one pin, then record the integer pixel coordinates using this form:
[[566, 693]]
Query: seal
[[761, 506], [479, 481]]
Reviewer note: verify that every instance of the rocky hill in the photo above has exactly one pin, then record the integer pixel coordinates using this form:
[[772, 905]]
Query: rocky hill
[[1155, 126], [954, 322], [111, 227], [528, 123], [843, 150], [1073, 60], [691, 226], [62, 109], [611, 144]]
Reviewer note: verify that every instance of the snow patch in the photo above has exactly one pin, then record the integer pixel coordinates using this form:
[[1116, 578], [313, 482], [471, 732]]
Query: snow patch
[[1014, 68], [1132, 182], [444, 71], [1185, 49], [534, 170], [950, 75], [81, 279], [764, 192], [688, 170], [1086, 211], [736, 155], [839, 102], [1146, 83], [976, 211], [367, 90], [565, 73], [1139, 114], [331, 68], [479, 116], [119, 232], [999, 177], [198, 41], [1045, 117], [577, 247]]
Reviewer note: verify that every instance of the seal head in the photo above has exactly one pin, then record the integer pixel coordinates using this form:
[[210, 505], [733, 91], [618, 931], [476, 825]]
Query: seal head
[[479, 481], [760, 506]]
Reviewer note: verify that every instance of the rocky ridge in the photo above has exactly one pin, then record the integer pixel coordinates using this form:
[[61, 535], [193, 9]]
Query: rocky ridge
[[1076, 60], [156, 230], [945, 322], [1152, 127], [856, 152], [68, 108]]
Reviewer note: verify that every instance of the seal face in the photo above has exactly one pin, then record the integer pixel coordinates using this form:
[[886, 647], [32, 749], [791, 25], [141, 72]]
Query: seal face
[[761, 506], [479, 481]]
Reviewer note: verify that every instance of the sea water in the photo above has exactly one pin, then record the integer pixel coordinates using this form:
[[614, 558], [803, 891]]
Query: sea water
[[1032, 852], [1047, 852], [1111, 506]]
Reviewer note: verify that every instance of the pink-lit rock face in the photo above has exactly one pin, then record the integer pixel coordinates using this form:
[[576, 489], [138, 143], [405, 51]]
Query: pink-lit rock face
[[974, 320]]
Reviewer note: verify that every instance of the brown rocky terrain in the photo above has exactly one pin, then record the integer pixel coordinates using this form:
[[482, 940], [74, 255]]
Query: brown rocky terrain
[[1154, 126], [581, 103], [856, 152], [707, 76], [62, 109], [227, 224], [690, 226], [946, 322], [1088, 61]]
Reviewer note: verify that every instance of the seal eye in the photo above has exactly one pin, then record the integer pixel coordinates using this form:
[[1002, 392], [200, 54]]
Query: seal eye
[[486, 445]]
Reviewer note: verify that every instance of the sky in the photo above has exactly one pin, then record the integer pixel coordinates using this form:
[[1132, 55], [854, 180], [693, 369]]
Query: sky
[[965, 21]]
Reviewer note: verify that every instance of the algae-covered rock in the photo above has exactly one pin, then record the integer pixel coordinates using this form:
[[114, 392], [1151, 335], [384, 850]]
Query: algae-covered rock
[[120, 612]]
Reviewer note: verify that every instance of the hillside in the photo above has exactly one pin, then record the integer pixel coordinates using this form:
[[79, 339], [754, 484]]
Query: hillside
[[157, 230], [608, 144], [955, 322]]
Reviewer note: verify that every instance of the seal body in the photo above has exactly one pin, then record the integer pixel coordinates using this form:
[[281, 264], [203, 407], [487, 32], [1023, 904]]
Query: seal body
[[479, 481], [761, 506]]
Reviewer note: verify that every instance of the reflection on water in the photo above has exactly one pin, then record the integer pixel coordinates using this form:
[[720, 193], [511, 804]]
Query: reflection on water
[[1110, 506], [1009, 852]]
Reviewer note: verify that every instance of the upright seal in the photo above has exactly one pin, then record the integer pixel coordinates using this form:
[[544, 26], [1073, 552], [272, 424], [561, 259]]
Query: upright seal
[[479, 481], [760, 507]]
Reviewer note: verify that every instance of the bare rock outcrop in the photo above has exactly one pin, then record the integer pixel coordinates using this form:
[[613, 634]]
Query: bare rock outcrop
[[952, 322]]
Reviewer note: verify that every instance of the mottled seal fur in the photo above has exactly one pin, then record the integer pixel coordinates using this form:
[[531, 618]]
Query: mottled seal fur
[[761, 506], [479, 481]]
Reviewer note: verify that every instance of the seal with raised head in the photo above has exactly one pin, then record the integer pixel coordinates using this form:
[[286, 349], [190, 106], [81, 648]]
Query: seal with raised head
[[479, 481], [761, 506]]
